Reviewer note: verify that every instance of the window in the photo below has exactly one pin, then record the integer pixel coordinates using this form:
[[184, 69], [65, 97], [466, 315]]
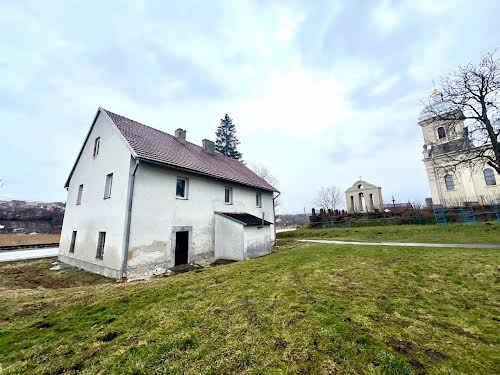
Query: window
[[79, 196], [258, 199], [100, 245], [108, 186], [448, 180], [489, 177], [228, 195], [97, 143], [181, 188], [73, 240], [441, 133]]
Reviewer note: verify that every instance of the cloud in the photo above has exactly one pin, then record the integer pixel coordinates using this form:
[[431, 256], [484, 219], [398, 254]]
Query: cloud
[[321, 92]]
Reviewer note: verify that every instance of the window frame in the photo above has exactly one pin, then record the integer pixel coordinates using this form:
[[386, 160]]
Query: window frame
[[101, 243], [108, 186], [73, 242], [230, 189], [79, 195], [186, 188], [449, 181], [258, 200], [444, 133], [97, 144], [489, 180]]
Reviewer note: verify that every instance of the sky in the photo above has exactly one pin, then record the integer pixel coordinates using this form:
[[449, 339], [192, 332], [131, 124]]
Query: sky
[[321, 92]]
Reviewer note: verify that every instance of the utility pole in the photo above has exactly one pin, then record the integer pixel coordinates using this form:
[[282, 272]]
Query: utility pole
[[393, 202]]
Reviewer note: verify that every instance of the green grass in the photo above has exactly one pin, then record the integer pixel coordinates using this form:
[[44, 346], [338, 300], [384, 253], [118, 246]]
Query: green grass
[[481, 233], [305, 308]]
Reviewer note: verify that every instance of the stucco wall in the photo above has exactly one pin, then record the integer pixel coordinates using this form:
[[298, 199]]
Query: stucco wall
[[470, 185], [96, 214], [156, 209], [257, 240], [229, 239]]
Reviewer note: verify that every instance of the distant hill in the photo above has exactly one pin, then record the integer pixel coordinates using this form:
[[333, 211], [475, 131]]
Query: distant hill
[[17, 216]]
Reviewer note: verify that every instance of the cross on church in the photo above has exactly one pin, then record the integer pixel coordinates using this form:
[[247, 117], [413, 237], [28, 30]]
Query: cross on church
[[360, 178]]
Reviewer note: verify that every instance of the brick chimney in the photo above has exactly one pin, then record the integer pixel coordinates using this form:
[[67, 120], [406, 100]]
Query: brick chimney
[[180, 134], [208, 146]]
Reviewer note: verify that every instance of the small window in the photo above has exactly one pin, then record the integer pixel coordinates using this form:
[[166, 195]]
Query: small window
[[489, 177], [448, 180], [228, 195], [181, 188], [73, 240], [97, 143], [79, 196], [258, 199], [100, 245], [108, 186], [441, 133]]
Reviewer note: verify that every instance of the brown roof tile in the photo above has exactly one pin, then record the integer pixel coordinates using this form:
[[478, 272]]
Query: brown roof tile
[[156, 146]]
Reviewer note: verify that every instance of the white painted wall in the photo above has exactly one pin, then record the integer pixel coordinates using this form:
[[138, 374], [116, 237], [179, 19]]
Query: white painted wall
[[229, 239], [156, 211], [96, 214], [257, 240]]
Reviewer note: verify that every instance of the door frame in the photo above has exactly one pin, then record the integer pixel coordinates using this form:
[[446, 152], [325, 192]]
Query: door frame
[[173, 242]]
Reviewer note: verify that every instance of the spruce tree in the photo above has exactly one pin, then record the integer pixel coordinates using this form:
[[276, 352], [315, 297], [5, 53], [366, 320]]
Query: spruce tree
[[225, 138]]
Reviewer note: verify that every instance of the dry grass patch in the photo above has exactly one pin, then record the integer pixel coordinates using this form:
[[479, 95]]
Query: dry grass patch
[[28, 239]]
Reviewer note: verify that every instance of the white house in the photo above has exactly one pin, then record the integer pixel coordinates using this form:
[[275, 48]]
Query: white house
[[141, 201]]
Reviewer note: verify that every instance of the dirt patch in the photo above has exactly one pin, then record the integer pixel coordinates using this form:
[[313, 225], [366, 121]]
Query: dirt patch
[[34, 274], [42, 325], [107, 337], [400, 346], [419, 367], [436, 355]]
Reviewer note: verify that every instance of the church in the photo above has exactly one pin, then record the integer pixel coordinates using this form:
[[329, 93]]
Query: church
[[444, 141]]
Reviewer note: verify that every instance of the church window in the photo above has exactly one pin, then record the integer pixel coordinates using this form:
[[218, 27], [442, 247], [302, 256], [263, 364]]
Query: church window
[[441, 133], [489, 177], [448, 180]]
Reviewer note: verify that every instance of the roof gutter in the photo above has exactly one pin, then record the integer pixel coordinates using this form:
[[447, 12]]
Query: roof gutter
[[130, 198]]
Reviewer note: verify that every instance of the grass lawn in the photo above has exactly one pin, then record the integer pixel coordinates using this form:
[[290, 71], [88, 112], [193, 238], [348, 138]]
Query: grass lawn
[[486, 233], [306, 308], [27, 239]]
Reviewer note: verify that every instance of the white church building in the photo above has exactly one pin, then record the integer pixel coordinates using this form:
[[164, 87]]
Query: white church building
[[444, 141], [141, 201]]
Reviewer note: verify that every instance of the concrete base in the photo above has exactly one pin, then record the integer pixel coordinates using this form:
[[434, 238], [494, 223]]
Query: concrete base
[[91, 267]]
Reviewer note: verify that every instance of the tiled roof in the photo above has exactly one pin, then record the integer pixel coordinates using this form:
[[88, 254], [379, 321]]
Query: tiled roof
[[245, 218], [159, 147]]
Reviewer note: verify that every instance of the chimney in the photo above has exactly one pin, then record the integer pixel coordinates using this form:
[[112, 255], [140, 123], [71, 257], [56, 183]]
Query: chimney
[[208, 146], [180, 134]]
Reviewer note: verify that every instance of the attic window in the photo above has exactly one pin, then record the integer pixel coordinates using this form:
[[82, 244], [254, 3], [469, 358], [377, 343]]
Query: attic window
[[97, 143], [181, 188]]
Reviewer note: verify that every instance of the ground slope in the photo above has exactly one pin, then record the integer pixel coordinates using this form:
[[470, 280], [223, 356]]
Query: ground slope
[[305, 308]]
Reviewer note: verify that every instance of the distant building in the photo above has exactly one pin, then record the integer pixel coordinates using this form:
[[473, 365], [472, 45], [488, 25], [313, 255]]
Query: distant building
[[363, 197], [445, 139]]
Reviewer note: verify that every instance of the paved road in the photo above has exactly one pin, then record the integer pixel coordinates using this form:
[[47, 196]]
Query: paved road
[[285, 230], [7, 256], [410, 244]]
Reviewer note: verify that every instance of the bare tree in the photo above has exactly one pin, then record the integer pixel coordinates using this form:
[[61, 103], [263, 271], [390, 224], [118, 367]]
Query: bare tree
[[329, 197], [263, 172], [469, 96]]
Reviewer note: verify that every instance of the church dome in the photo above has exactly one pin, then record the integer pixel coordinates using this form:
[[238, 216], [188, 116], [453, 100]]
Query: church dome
[[437, 106]]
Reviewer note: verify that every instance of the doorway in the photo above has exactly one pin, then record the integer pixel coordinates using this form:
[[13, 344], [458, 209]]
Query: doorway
[[181, 247]]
